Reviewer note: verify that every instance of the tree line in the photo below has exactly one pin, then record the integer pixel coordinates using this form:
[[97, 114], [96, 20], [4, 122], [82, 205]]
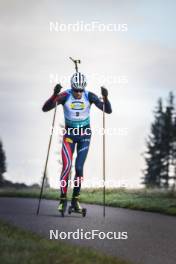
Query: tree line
[[160, 156], [6, 183], [3, 166]]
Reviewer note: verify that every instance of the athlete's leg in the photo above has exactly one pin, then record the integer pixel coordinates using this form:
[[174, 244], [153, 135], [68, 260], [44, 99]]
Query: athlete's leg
[[67, 153], [82, 151]]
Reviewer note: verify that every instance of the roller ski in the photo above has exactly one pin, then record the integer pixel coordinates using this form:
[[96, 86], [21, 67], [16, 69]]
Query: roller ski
[[62, 206], [75, 207]]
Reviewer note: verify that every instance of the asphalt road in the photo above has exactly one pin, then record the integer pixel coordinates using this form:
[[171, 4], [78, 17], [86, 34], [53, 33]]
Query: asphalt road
[[151, 237]]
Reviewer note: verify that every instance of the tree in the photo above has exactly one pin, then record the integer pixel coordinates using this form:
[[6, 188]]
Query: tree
[[167, 139], [46, 182], [153, 155], [2, 163], [174, 153], [161, 146]]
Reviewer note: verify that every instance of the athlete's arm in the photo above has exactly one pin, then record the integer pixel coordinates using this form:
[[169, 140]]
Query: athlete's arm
[[93, 98], [51, 102]]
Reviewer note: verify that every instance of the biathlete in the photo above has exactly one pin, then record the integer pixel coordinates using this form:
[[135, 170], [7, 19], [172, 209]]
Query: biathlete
[[76, 104]]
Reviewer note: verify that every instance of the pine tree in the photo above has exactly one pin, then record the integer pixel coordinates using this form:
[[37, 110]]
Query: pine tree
[[46, 182], [167, 139], [161, 147], [154, 155], [2, 163], [174, 153]]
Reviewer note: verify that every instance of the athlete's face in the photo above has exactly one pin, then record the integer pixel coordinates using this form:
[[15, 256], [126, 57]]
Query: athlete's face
[[77, 94]]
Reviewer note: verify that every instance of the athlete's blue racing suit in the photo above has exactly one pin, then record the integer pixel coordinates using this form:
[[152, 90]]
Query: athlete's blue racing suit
[[77, 115]]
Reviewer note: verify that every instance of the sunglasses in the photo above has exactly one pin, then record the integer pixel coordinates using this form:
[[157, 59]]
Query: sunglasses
[[78, 91]]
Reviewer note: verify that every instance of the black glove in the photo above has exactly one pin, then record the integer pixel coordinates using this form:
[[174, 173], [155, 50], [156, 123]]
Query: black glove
[[57, 89], [104, 92]]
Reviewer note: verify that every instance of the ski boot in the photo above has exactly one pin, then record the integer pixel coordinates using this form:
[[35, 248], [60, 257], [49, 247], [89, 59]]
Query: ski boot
[[62, 205], [75, 207]]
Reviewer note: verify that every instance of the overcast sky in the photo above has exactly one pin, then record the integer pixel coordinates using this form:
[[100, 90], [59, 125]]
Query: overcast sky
[[137, 66]]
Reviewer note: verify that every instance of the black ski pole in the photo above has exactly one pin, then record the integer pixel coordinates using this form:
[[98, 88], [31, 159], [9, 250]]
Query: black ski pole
[[46, 162], [104, 162]]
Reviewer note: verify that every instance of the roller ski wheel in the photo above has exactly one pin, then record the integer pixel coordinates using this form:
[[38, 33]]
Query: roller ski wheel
[[81, 211], [76, 208], [62, 207], [84, 212], [69, 210]]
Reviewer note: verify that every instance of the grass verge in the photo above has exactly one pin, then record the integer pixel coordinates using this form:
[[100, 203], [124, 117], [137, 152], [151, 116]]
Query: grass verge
[[19, 247], [161, 201]]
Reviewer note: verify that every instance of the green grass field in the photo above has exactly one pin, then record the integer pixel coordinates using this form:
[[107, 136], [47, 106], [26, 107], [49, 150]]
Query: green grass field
[[19, 247], [142, 199]]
